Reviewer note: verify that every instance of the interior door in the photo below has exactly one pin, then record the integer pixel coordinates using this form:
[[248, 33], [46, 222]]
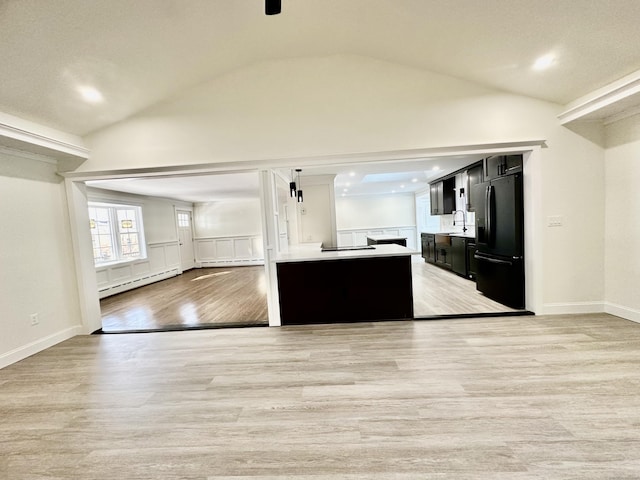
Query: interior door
[[185, 238]]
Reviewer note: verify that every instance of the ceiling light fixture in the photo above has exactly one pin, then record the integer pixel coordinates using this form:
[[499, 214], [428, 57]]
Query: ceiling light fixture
[[91, 94], [544, 62], [352, 174], [272, 7], [414, 180]]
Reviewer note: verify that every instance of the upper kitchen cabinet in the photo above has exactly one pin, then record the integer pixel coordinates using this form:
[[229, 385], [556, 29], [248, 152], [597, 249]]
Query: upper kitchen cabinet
[[475, 175], [443, 196], [500, 165]]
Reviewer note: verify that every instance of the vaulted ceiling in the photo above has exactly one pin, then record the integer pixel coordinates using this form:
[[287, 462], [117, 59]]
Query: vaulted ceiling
[[143, 52]]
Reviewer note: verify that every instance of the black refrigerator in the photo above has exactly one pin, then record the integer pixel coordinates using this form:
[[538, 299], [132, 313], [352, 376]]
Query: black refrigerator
[[500, 239]]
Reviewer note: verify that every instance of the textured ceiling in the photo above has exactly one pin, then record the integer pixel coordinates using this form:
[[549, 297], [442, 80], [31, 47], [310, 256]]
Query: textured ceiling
[[142, 52]]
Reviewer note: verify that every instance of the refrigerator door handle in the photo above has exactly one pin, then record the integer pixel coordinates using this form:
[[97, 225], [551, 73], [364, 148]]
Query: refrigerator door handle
[[496, 261], [489, 214]]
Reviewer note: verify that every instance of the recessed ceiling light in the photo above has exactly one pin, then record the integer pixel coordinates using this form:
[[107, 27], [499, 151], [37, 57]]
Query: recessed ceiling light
[[393, 191], [544, 62], [436, 168], [348, 184], [414, 180], [91, 94], [345, 190], [401, 186], [352, 174]]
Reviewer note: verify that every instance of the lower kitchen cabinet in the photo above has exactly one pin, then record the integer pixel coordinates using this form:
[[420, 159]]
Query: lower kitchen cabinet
[[471, 260], [459, 255], [428, 247], [443, 251], [450, 252]]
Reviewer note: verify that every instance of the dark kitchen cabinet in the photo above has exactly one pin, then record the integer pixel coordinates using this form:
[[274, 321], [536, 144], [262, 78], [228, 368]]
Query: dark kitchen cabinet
[[475, 175], [443, 196], [428, 247], [459, 255], [443, 251], [471, 260], [499, 165]]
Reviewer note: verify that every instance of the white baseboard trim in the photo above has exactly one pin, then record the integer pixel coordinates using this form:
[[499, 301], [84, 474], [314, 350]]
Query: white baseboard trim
[[37, 346], [104, 292], [572, 307], [622, 311]]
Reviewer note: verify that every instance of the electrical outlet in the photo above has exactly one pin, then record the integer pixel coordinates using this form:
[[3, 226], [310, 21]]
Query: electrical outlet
[[35, 320]]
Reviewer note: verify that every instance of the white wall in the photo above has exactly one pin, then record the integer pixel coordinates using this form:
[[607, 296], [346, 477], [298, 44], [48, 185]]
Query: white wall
[[572, 187], [228, 233], [228, 218], [316, 215], [375, 211], [37, 273], [622, 232], [317, 106]]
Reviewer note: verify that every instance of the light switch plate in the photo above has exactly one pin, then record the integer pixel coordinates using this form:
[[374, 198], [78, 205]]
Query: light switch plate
[[555, 221]]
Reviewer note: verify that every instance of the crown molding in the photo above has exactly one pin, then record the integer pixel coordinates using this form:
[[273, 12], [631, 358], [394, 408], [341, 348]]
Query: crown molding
[[606, 104], [17, 138]]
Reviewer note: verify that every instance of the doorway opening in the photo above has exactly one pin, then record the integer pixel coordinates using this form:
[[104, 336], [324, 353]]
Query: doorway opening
[[204, 262]]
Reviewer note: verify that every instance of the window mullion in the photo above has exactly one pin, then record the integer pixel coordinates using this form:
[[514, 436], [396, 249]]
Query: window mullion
[[115, 232]]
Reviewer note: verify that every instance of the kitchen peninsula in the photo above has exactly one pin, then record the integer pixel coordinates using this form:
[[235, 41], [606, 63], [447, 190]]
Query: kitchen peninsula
[[345, 285]]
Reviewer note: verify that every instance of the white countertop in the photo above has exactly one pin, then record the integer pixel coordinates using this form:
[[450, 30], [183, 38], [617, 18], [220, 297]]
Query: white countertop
[[311, 252], [468, 234]]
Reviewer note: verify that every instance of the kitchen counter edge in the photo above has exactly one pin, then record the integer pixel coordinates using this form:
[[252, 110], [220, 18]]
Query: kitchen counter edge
[[312, 253]]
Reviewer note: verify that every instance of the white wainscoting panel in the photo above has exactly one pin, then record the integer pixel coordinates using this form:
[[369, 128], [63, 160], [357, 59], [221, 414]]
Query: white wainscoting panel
[[228, 251], [357, 237], [163, 261]]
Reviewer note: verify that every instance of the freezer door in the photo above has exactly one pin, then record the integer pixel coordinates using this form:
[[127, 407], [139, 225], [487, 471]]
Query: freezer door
[[501, 279]]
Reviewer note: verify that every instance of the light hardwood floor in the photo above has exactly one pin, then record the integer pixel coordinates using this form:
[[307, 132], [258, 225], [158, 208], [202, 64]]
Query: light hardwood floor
[[441, 292], [237, 296], [511, 398]]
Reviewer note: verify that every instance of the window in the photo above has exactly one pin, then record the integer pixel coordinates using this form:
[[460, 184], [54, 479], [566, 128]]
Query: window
[[183, 219], [116, 232]]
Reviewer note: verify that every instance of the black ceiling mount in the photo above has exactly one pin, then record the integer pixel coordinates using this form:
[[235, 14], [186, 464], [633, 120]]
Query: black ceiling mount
[[272, 7]]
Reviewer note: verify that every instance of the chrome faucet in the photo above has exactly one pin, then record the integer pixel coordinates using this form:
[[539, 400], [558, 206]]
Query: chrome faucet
[[464, 219]]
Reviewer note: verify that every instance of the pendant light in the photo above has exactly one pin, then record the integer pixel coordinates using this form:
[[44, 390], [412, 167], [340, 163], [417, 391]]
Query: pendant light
[[299, 186], [272, 7], [292, 186]]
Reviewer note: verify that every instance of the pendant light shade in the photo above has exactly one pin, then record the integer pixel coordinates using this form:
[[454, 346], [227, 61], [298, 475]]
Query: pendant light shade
[[299, 192], [272, 7], [292, 189]]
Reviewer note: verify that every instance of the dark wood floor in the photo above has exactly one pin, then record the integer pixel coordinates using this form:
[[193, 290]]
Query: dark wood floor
[[198, 298], [236, 296], [511, 398]]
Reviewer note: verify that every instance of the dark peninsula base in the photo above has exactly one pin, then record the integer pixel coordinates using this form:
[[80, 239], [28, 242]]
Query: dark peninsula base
[[345, 290]]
